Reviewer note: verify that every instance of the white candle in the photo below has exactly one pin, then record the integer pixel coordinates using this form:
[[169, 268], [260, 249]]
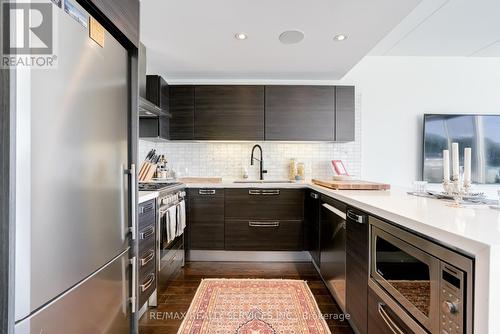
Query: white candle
[[467, 164], [446, 165], [454, 161]]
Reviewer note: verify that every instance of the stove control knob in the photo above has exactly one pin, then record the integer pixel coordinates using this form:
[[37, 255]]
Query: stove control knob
[[450, 307]]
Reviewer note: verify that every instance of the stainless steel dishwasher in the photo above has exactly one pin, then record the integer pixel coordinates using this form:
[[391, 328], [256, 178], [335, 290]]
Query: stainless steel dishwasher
[[333, 245]]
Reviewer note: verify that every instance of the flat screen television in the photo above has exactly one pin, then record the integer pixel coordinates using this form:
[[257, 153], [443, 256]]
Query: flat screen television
[[480, 132]]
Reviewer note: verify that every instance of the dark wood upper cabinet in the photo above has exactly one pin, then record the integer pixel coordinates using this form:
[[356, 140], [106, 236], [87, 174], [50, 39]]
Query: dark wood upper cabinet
[[157, 92], [123, 14], [182, 109], [344, 113], [229, 113], [300, 113]]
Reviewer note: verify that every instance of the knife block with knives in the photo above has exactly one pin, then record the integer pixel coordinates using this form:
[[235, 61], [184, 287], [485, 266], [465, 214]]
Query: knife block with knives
[[148, 166]]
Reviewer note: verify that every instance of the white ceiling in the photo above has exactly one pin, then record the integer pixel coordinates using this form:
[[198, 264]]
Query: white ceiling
[[194, 39], [446, 28]]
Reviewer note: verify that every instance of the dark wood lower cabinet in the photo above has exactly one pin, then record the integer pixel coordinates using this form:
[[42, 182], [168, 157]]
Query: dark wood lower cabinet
[[265, 203], [264, 235], [206, 219], [311, 225], [357, 269]]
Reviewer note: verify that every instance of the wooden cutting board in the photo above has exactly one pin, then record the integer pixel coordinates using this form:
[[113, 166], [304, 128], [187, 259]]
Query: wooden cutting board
[[200, 179], [351, 185]]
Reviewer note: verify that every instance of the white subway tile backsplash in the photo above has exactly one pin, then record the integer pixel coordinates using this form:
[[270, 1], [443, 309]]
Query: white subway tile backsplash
[[227, 159]]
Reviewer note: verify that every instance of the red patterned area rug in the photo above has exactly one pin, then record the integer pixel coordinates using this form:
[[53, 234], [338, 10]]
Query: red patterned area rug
[[253, 306]]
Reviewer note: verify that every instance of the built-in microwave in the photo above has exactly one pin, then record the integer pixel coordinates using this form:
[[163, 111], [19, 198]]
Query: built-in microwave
[[429, 283]]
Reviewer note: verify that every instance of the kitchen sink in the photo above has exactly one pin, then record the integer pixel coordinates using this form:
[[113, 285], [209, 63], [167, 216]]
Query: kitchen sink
[[264, 181]]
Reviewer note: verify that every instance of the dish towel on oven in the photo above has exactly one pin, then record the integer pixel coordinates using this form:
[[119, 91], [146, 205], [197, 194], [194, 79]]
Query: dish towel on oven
[[171, 223], [181, 218]]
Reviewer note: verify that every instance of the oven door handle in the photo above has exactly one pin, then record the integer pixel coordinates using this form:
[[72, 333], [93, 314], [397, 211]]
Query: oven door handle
[[388, 321]]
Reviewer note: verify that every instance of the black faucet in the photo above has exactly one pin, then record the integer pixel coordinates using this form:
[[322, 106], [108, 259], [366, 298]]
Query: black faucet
[[261, 161]]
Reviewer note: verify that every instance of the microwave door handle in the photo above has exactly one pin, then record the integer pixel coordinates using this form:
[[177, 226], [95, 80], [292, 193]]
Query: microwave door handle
[[388, 321]]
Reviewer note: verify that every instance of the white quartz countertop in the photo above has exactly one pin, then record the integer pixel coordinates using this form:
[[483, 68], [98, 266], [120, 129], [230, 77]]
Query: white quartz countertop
[[473, 230], [145, 196]]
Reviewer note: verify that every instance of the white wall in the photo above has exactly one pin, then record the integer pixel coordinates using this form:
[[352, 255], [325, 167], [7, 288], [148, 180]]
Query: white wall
[[397, 91]]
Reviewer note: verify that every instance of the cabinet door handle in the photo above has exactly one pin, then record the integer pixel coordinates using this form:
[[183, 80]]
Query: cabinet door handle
[[148, 284], [388, 321], [354, 217], [314, 195], [264, 224], [146, 234], [145, 260], [254, 192], [206, 192]]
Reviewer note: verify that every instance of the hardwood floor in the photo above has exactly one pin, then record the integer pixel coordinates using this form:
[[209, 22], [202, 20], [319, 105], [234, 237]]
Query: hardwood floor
[[177, 296]]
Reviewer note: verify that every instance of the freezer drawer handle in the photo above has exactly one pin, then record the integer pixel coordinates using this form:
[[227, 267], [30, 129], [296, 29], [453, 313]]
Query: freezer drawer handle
[[206, 191], [148, 284], [388, 321], [335, 211], [264, 224], [145, 260], [354, 217], [150, 231], [314, 195], [133, 297]]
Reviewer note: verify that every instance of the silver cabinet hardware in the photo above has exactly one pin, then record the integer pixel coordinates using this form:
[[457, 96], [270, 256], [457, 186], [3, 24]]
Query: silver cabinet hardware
[[149, 282], [354, 217], [145, 260], [264, 224], [388, 321], [335, 211], [264, 192], [146, 234], [314, 195], [133, 297], [270, 191], [206, 192]]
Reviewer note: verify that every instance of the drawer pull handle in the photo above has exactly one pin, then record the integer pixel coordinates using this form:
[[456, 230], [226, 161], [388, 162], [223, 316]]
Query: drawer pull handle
[[354, 217], [314, 195], [388, 321], [271, 192], [145, 260], [264, 224], [148, 284], [146, 234], [264, 192], [206, 192]]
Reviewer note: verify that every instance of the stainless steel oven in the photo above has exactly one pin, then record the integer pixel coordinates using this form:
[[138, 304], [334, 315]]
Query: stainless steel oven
[[427, 283]]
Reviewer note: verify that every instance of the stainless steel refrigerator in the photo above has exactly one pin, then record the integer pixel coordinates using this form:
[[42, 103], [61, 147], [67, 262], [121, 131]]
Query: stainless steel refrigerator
[[72, 240]]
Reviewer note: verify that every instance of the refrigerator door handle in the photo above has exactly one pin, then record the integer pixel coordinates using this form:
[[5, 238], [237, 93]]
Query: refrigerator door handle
[[133, 189]]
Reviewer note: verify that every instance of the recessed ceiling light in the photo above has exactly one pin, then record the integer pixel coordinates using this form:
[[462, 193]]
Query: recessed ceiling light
[[241, 36], [291, 36], [340, 37]]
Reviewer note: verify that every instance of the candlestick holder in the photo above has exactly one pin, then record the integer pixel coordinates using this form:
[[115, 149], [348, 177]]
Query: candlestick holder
[[457, 189]]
